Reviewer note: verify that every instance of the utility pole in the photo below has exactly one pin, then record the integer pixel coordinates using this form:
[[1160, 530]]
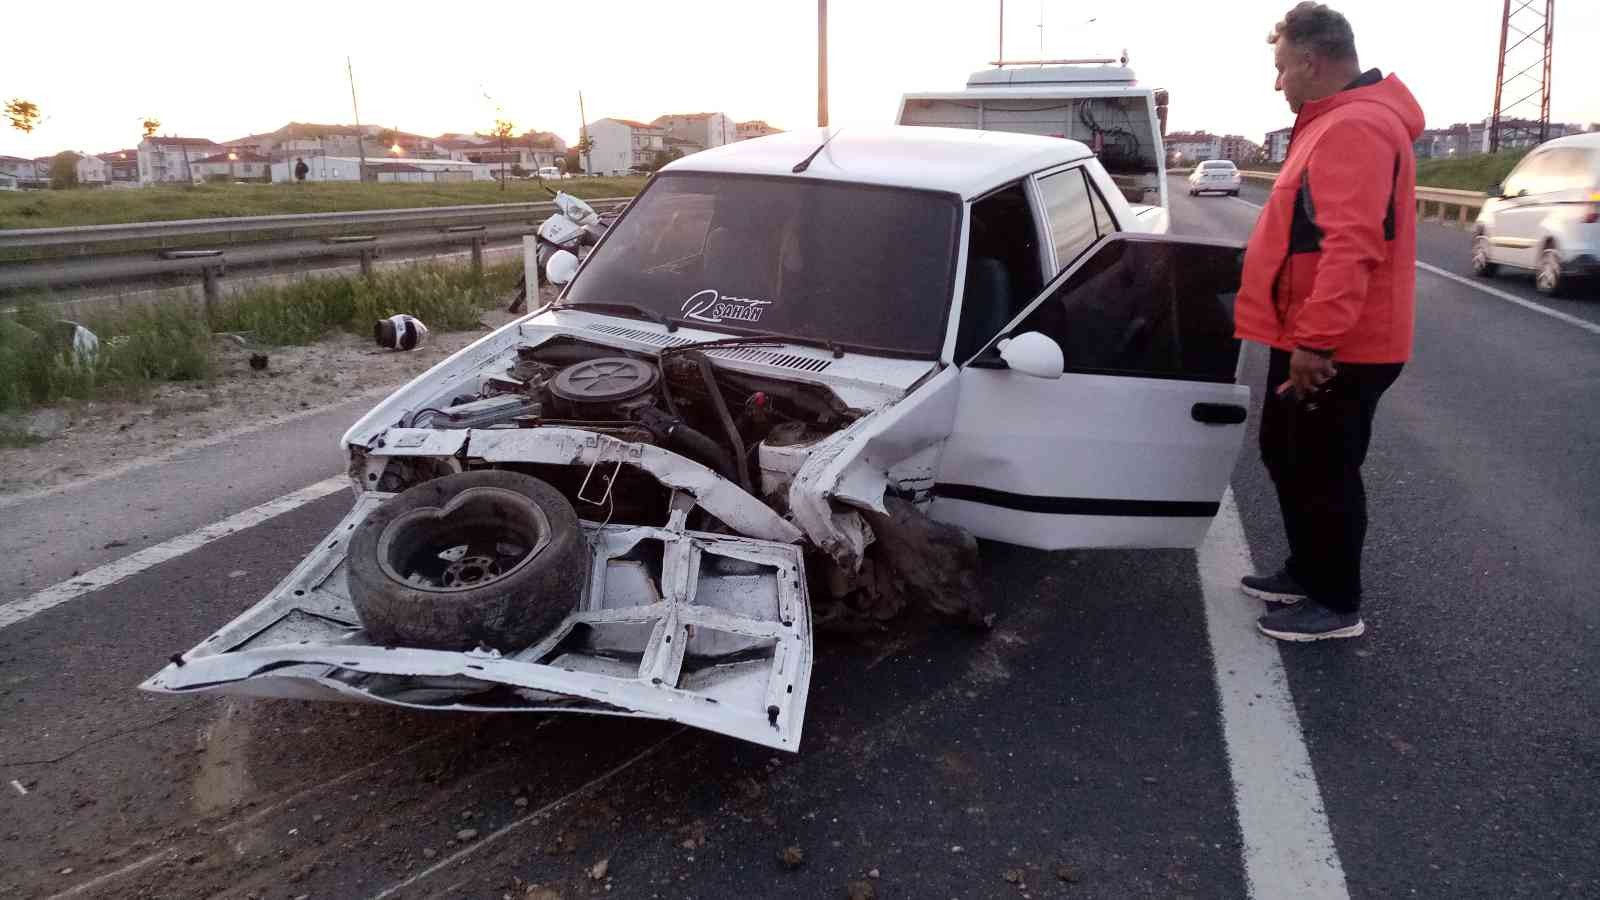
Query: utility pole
[[822, 63], [1002, 54], [583, 137], [361, 145], [1518, 26]]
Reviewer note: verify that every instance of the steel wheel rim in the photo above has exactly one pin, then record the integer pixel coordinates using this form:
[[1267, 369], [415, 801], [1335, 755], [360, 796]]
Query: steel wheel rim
[[1549, 271], [498, 532], [1480, 253]]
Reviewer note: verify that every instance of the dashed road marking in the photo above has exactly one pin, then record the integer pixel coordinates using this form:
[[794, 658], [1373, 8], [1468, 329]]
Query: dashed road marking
[[1288, 847], [14, 611]]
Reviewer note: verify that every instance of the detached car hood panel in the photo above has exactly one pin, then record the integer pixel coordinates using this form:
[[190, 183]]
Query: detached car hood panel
[[708, 630]]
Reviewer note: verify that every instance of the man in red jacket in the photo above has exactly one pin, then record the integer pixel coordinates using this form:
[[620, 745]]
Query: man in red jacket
[[1328, 284]]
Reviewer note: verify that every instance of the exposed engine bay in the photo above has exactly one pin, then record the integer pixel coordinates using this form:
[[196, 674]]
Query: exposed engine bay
[[751, 430]]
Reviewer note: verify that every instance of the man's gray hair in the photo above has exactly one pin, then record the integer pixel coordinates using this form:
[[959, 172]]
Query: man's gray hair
[[1315, 27]]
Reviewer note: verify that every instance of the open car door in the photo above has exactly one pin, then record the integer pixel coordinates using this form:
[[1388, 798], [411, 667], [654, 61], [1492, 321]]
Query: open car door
[[1135, 442]]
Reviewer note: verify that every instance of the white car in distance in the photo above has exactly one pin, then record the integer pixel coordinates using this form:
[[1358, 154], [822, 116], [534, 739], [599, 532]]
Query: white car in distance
[[1215, 175], [796, 381]]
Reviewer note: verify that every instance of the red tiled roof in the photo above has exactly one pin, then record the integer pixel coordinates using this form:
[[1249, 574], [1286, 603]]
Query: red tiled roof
[[192, 142], [636, 124]]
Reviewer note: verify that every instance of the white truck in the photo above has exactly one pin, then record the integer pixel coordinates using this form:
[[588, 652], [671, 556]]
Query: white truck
[[1095, 102], [793, 384]]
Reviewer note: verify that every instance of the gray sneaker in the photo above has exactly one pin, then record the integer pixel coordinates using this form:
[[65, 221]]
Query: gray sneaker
[[1310, 622], [1276, 588]]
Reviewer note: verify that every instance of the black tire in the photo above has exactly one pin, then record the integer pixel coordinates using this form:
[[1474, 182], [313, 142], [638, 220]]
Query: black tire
[[521, 573]]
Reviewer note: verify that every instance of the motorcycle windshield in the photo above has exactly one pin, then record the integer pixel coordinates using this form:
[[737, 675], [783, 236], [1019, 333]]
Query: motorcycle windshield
[[858, 265], [709, 630]]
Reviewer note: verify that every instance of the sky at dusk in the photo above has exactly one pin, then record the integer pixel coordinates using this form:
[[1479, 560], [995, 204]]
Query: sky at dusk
[[223, 71]]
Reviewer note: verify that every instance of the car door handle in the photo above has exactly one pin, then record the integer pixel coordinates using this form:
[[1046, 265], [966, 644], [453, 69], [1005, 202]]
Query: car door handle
[[1218, 413]]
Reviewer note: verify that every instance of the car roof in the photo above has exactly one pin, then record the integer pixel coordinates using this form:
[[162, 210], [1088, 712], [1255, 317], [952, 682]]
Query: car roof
[[1586, 140], [955, 160]]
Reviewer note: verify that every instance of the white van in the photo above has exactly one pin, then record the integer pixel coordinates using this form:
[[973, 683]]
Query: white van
[[550, 173], [1096, 103]]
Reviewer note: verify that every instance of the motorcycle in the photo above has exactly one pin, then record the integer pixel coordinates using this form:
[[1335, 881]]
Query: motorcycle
[[574, 227]]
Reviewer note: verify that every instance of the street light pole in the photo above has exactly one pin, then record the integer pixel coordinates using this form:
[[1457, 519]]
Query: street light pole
[[822, 63]]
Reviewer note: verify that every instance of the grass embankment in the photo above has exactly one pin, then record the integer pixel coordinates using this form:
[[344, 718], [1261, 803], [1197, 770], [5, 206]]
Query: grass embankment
[[174, 341], [49, 209]]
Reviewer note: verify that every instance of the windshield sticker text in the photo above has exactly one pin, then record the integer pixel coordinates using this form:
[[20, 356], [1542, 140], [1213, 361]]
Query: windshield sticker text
[[709, 306]]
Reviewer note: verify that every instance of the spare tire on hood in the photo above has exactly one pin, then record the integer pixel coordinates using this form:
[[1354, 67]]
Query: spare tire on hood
[[489, 558]]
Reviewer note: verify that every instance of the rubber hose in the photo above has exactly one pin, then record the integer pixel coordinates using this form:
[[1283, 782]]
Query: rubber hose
[[697, 445], [727, 420]]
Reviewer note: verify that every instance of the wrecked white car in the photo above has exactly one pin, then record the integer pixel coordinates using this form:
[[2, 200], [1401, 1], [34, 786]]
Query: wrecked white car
[[791, 387]]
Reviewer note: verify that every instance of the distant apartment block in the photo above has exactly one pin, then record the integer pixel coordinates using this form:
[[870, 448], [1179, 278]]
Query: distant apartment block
[[754, 128], [699, 131], [1240, 149], [623, 144], [1276, 145], [1188, 147], [164, 160], [234, 165]]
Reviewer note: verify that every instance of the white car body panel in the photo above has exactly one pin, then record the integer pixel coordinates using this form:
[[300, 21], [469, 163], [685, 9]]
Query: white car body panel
[[1204, 179], [656, 644]]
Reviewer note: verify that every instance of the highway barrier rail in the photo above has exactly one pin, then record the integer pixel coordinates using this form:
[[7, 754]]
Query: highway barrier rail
[[1465, 204], [207, 249]]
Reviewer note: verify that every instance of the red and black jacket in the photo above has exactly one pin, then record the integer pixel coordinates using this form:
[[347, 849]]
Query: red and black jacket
[[1331, 264]]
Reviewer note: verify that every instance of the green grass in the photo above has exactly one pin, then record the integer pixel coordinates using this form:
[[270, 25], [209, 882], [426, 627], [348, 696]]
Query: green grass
[[173, 341], [48, 209], [11, 439], [1472, 173]]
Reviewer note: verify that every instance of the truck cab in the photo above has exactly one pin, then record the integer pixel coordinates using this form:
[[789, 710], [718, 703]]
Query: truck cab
[[1094, 102]]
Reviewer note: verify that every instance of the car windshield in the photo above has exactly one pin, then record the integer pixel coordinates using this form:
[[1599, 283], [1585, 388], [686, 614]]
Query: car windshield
[[860, 266]]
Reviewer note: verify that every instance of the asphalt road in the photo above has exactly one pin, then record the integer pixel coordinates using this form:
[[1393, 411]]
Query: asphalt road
[[1454, 746]]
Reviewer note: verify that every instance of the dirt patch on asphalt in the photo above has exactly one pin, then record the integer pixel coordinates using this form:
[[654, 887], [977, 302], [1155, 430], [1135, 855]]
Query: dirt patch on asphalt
[[93, 436]]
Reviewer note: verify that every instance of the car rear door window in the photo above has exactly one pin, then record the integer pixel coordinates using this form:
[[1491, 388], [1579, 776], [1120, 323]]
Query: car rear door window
[[1146, 306], [1070, 213]]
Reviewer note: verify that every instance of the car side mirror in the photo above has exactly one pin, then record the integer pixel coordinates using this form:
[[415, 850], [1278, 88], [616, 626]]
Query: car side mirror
[[561, 267], [1031, 353]]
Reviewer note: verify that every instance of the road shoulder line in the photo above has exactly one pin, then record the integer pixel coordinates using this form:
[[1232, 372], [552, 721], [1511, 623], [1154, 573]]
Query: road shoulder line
[[14, 611], [1287, 845]]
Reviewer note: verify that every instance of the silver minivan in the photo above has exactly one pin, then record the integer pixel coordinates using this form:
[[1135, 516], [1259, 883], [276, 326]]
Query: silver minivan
[[1545, 217]]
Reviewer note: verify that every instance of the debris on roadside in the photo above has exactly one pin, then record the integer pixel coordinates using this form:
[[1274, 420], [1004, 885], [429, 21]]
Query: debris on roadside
[[399, 332], [872, 873], [466, 834], [861, 890], [598, 870], [537, 892], [1067, 873], [792, 857]]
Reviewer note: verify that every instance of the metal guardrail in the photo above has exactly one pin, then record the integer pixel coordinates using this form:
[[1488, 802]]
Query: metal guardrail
[[208, 248], [1440, 198]]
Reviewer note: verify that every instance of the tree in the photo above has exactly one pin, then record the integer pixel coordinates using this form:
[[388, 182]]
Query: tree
[[517, 171], [24, 114], [151, 126], [388, 138], [64, 170], [573, 165], [502, 130]]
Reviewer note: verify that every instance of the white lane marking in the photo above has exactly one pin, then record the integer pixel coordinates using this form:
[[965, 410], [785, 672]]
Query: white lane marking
[[1245, 202], [1288, 848], [109, 876], [14, 611], [1496, 293], [19, 788], [530, 817]]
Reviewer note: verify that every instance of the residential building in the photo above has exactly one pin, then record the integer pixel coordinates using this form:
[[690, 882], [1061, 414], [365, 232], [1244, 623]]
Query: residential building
[[1275, 146], [703, 130], [1240, 149], [1188, 147], [171, 159], [754, 128], [92, 171], [122, 166], [23, 170], [623, 144], [234, 165], [347, 168]]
